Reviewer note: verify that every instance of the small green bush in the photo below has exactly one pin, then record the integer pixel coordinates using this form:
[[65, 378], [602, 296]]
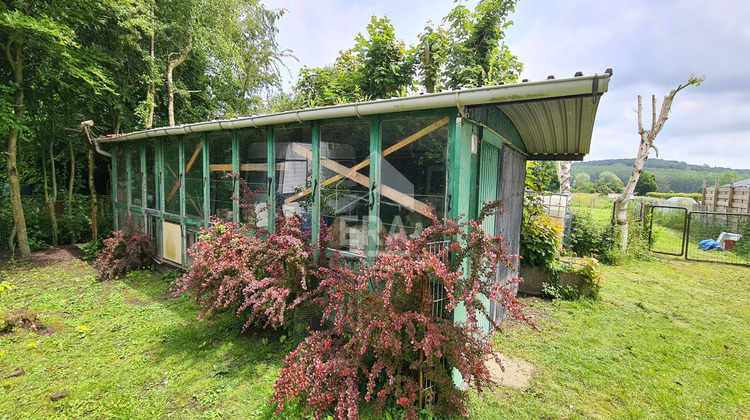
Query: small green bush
[[587, 269], [540, 235], [589, 239]]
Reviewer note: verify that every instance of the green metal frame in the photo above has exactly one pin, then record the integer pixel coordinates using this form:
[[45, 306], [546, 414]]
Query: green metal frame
[[462, 167]]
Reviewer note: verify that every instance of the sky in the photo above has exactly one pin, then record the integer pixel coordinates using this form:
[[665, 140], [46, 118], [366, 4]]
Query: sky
[[651, 45]]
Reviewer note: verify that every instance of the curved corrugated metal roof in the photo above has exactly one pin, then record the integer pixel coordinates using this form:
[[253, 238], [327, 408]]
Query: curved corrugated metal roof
[[554, 117]]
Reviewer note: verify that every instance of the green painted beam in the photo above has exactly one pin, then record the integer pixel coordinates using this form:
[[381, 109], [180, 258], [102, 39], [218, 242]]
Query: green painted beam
[[115, 150], [236, 171], [144, 193], [373, 222], [271, 152], [206, 176], [181, 180], [315, 222]]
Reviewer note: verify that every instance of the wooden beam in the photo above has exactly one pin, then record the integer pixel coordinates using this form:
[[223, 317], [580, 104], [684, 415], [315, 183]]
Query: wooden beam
[[395, 195], [245, 167], [716, 195], [188, 167], [403, 143]]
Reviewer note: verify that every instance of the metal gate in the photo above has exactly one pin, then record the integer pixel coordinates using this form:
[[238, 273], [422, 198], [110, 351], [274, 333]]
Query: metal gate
[[700, 235], [667, 230]]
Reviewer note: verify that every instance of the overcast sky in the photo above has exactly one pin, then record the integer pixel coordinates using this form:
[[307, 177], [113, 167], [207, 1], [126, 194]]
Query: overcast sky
[[652, 46]]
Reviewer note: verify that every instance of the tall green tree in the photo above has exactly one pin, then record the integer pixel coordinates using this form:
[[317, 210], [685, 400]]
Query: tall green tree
[[476, 54], [28, 33], [646, 184]]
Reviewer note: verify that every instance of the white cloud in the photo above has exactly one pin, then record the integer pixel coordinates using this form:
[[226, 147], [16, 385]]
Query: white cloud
[[651, 45]]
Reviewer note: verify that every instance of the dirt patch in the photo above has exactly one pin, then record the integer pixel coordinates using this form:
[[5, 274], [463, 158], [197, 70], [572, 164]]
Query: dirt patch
[[43, 257], [21, 319], [517, 373], [137, 302]]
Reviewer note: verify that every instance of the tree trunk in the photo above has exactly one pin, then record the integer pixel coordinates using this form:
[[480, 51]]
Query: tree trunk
[[92, 186], [151, 91], [71, 184], [647, 143], [171, 65], [564, 176], [14, 47], [49, 201]]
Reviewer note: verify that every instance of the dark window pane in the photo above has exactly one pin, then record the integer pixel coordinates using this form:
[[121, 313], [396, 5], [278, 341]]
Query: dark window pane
[[170, 151], [150, 174], [122, 174], [193, 150], [413, 172], [222, 187], [294, 172], [136, 183], [345, 191], [253, 145]]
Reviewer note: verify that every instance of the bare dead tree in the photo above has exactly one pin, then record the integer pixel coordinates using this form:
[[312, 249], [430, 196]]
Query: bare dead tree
[[647, 143]]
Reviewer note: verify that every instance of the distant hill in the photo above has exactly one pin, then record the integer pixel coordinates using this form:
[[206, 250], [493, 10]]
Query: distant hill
[[671, 175]]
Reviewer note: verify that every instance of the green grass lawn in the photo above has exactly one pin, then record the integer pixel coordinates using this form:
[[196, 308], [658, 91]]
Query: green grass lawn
[[669, 339], [128, 349]]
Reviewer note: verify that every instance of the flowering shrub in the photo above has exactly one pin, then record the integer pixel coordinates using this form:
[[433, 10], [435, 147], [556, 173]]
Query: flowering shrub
[[386, 343], [127, 249], [540, 234], [259, 276]]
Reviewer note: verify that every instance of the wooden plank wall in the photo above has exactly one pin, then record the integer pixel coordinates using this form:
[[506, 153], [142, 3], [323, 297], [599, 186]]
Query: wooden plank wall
[[726, 199]]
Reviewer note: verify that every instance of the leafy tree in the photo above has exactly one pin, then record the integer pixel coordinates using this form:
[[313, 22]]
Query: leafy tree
[[378, 66], [34, 34], [476, 55], [729, 177], [386, 66], [608, 183], [646, 184], [580, 180], [541, 176]]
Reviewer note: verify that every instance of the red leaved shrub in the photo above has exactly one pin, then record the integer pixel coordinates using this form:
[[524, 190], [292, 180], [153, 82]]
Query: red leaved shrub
[[388, 341], [127, 249], [259, 276]]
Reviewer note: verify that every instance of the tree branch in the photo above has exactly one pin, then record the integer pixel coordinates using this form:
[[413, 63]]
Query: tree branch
[[640, 116]]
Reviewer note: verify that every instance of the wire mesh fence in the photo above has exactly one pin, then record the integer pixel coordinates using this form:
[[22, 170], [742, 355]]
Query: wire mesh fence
[[718, 237]]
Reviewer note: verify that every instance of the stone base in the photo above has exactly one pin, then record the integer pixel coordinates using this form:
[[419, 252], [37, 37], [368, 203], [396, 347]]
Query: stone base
[[534, 279]]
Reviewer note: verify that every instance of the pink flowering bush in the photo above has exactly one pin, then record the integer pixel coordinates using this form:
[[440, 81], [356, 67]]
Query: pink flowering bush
[[259, 276], [386, 345], [127, 249]]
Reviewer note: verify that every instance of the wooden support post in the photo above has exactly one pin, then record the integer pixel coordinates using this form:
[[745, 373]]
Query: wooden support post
[[703, 194], [716, 195]]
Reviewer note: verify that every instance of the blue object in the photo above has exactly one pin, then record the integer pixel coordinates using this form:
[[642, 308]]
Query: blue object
[[709, 245]]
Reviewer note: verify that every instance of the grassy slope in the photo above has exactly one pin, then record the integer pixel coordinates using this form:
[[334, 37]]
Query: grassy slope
[[669, 339], [143, 354]]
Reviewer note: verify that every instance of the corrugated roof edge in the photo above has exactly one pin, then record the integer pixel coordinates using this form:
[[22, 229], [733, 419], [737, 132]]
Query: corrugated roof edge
[[543, 89]]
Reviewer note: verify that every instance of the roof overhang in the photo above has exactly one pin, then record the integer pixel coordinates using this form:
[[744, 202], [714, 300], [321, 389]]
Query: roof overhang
[[554, 117]]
